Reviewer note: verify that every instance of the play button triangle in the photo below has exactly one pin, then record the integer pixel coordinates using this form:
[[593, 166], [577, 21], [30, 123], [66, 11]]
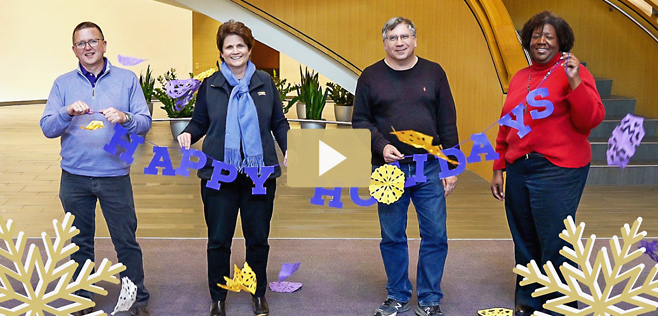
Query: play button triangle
[[329, 158]]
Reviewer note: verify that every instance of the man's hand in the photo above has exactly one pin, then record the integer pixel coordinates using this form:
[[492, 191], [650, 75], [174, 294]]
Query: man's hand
[[449, 184], [185, 140], [113, 115], [392, 154], [78, 108], [497, 185], [285, 159]]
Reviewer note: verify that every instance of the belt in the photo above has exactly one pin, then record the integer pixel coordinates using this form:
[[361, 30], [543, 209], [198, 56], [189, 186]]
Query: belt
[[531, 155]]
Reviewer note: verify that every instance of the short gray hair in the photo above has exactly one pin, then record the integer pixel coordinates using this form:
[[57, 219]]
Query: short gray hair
[[393, 22]]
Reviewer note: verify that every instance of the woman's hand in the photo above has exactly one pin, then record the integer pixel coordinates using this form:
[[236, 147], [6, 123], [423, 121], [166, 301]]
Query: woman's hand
[[497, 185], [285, 159], [572, 68], [185, 140]]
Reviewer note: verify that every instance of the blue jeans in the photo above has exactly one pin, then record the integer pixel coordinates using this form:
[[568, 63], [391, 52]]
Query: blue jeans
[[430, 207], [78, 195], [538, 198]]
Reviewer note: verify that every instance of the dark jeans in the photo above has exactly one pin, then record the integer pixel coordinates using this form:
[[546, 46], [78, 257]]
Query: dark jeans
[[430, 207], [538, 198], [221, 212], [115, 194]]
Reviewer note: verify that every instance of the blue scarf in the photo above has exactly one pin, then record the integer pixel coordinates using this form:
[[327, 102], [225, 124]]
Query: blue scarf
[[242, 122]]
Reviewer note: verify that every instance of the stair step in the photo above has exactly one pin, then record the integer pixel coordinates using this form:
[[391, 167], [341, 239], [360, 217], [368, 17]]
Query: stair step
[[604, 86], [616, 107], [604, 130], [647, 152], [641, 174]]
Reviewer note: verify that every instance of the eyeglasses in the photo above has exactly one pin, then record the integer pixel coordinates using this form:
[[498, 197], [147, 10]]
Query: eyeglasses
[[394, 38], [92, 43]]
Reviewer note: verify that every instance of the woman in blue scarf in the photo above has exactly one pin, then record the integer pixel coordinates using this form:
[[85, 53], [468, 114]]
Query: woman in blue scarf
[[238, 110]]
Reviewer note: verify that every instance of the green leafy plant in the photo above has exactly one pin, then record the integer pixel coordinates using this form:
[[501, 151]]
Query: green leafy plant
[[340, 95], [284, 87], [169, 103], [148, 83], [310, 92]]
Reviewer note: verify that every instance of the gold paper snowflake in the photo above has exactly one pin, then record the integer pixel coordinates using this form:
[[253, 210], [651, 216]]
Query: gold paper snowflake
[[36, 300], [386, 184], [496, 312], [244, 279], [600, 301]]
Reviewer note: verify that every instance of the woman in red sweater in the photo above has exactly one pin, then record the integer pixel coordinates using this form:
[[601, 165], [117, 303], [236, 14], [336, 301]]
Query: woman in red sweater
[[550, 109]]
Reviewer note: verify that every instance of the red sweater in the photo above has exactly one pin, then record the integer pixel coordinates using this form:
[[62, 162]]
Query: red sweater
[[562, 136]]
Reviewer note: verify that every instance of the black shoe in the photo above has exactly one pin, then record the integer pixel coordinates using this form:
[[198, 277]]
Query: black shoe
[[261, 308], [83, 312], [523, 310], [218, 308], [429, 310], [140, 310]]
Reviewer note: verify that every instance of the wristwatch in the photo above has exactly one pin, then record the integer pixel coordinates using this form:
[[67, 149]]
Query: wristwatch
[[129, 117]]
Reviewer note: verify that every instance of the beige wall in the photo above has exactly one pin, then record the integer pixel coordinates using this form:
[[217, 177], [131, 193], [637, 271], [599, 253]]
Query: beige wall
[[36, 40]]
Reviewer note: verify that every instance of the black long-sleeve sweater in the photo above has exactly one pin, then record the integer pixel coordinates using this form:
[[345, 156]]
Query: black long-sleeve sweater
[[416, 99]]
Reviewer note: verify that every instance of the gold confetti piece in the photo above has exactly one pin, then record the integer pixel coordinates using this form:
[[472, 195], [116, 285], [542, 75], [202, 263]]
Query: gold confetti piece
[[496, 312], [244, 279], [94, 125], [387, 184], [420, 140]]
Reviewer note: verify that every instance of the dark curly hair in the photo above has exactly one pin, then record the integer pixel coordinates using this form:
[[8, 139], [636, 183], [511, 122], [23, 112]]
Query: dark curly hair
[[564, 32], [232, 27]]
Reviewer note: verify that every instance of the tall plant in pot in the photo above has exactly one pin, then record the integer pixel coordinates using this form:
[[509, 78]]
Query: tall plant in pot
[[147, 82], [343, 101], [309, 92], [178, 97], [284, 87]]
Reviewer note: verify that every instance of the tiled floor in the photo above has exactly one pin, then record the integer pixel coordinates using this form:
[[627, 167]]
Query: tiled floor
[[171, 206]]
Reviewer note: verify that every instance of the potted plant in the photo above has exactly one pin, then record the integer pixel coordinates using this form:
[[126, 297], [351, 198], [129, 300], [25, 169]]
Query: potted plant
[[310, 93], [343, 101], [179, 113], [284, 87], [148, 84]]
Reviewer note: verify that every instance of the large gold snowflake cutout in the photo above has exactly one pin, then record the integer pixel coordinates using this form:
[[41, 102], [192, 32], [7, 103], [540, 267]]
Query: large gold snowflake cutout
[[36, 300], [600, 301]]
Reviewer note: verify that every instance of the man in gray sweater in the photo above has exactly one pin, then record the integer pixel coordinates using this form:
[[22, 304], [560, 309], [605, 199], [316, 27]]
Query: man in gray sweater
[[98, 91]]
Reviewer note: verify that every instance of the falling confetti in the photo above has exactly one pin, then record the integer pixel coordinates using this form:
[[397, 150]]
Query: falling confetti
[[127, 297], [129, 61], [420, 140], [285, 287], [244, 279], [626, 137]]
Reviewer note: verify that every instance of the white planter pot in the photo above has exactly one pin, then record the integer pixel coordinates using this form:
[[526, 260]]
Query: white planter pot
[[177, 126], [149, 104], [313, 125], [343, 112], [301, 110]]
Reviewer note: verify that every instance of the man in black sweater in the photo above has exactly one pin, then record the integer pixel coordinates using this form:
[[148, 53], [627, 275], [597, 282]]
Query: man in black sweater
[[406, 92]]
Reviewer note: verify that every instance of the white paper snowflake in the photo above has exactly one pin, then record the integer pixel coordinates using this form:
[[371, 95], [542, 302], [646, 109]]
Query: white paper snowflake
[[600, 301], [36, 300]]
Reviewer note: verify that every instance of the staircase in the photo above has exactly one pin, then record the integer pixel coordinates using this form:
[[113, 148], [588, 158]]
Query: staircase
[[642, 169]]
